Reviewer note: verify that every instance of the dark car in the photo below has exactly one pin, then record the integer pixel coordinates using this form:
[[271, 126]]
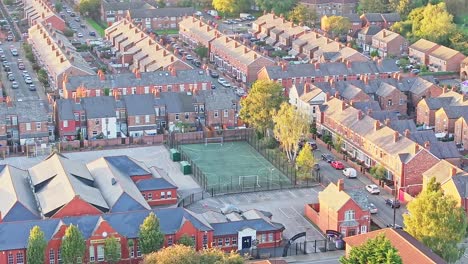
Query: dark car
[[214, 74], [92, 33], [392, 203], [328, 158], [196, 63], [311, 143]]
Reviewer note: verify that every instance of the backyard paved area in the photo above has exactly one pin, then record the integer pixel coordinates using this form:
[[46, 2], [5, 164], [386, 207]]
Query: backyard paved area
[[157, 156], [287, 207]]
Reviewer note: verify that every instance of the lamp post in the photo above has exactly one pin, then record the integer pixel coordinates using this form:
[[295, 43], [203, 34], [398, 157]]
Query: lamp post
[[394, 207]]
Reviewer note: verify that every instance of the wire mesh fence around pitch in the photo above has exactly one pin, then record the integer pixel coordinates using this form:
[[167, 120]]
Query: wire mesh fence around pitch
[[233, 167]]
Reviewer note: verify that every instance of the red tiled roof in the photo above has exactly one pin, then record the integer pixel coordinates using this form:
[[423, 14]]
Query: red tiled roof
[[409, 248]]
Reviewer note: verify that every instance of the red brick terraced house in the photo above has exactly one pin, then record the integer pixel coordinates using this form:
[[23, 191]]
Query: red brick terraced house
[[420, 50], [338, 211], [220, 107], [159, 18], [382, 20], [36, 11], [373, 143], [389, 43], [194, 32], [136, 83], [464, 69], [277, 31], [331, 7], [112, 11], [435, 57], [240, 62], [140, 50]]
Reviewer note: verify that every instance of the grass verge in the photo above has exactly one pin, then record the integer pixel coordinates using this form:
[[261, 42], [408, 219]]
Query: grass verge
[[99, 29]]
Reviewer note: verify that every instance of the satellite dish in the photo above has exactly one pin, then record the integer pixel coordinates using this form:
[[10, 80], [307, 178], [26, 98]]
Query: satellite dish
[[104, 234]]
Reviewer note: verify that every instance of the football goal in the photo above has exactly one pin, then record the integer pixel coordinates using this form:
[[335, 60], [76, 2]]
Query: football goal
[[214, 140], [249, 181]]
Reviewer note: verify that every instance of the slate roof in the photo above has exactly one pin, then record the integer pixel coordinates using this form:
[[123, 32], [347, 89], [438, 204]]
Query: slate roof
[[454, 112], [218, 99], [116, 6], [99, 106], [154, 184], [58, 180], [370, 30], [261, 225], [127, 165], [402, 125], [161, 12], [113, 185], [409, 248], [391, 17], [353, 17], [15, 235], [385, 89], [177, 102], [444, 150], [155, 78], [32, 111], [461, 182], [373, 17], [139, 104], [438, 102], [17, 199], [367, 105], [65, 108]]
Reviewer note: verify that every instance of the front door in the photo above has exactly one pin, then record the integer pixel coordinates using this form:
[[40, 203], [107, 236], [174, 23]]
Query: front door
[[351, 232], [246, 242]]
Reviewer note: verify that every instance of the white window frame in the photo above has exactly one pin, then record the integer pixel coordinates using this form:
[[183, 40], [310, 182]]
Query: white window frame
[[51, 256], [20, 258], [100, 253], [350, 215], [169, 195], [363, 229], [150, 196], [92, 255], [216, 113], [227, 242], [137, 119], [226, 113], [28, 126], [234, 241], [163, 195], [147, 118], [220, 242]]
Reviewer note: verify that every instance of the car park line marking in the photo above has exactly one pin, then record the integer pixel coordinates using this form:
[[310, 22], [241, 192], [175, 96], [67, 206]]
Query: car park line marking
[[281, 210], [292, 194]]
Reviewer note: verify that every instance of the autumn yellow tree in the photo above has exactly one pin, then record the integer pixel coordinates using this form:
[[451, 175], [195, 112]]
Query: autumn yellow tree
[[336, 25], [187, 255], [231, 6], [289, 127], [305, 162]]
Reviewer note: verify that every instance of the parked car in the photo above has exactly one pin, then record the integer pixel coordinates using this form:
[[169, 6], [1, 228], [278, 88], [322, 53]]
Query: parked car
[[350, 173], [392, 203], [189, 57], [14, 52], [28, 80], [10, 38], [92, 33], [415, 71], [197, 63], [312, 144], [11, 77], [80, 35], [32, 87], [372, 208], [328, 158], [14, 85], [21, 66], [337, 165], [373, 189], [214, 74], [223, 82], [396, 226]]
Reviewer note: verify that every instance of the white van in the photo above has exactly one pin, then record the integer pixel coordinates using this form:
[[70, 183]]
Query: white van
[[350, 173]]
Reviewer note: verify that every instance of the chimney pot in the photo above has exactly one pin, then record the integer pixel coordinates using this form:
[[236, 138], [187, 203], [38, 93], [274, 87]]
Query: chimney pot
[[337, 95], [427, 145], [377, 125], [407, 133], [343, 105]]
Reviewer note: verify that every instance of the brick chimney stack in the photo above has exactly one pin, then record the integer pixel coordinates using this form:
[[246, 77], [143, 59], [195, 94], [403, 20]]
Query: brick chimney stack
[[387, 122], [101, 75], [377, 125], [396, 136], [116, 94], [453, 171], [427, 145], [343, 105], [284, 66], [317, 65], [407, 133], [359, 115], [340, 185], [306, 88]]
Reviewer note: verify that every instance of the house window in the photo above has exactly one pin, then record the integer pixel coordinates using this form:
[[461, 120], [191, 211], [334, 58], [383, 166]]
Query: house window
[[51, 256], [146, 89], [19, 258], [313, 110], [389, 102], [187, 115], [98, 92], [137, 119], [263, 238], [49, 118], [176, 116], [38, 125], [91, 254], [227, 242], [202, 108], [59, 256], [363, 229], [163, 195], [220, 242], [94, 133], [10, 258], [196, 109], [138, 251], [205, 239], [100, 252], [132, 252], [133, 90], [28, 126], [181, 87], [226, 113], [150, 196], [96, 121], [234, 241], [169, 195], [144, 196], [83, 117], [147, 118], [270, 237], [216, 113], [169, 241], [402, 101], [349, 215], [77, 117]]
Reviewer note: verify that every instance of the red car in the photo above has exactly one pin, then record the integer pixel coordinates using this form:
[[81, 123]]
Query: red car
[[337, 165]]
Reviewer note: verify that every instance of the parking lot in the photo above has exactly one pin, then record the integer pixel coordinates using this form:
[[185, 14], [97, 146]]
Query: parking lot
[[287, 207]]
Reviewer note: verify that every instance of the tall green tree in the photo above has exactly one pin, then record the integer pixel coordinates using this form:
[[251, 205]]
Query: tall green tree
[[201, 51], [372, 6], [302, 14], [90, 8], [112, 250], [150, 237], [58, 7], [437, 221], [278, 7], [336, 25], [376, 250], [305, 161], [458, 41], [290, 127], [186, 241], [435, 17], [36, 246], [258, 107], [231, 6], [73, 246]]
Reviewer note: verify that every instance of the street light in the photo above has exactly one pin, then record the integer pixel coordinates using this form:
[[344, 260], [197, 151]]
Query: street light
[[394, 207]]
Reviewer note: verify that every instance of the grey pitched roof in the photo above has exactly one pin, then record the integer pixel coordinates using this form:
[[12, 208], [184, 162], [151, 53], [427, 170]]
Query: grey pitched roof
[[139, 104], [383, 115], [349, 91], [444, 150], [154, 78], [370, 30], [15, 188], [391, 17], [154, 184], [421, 137], [177, 102], [366, 106], [218, 99], [402, 125], [99, 106], [261, 225], [14, 235], [373, 17], [66, 107], [461, 182], [113, 184], [438, 102], [420, 85], [353, 17], [161, 12], [58, 180], [385, 89], [455, 111], [32, 111], [127, 165]]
